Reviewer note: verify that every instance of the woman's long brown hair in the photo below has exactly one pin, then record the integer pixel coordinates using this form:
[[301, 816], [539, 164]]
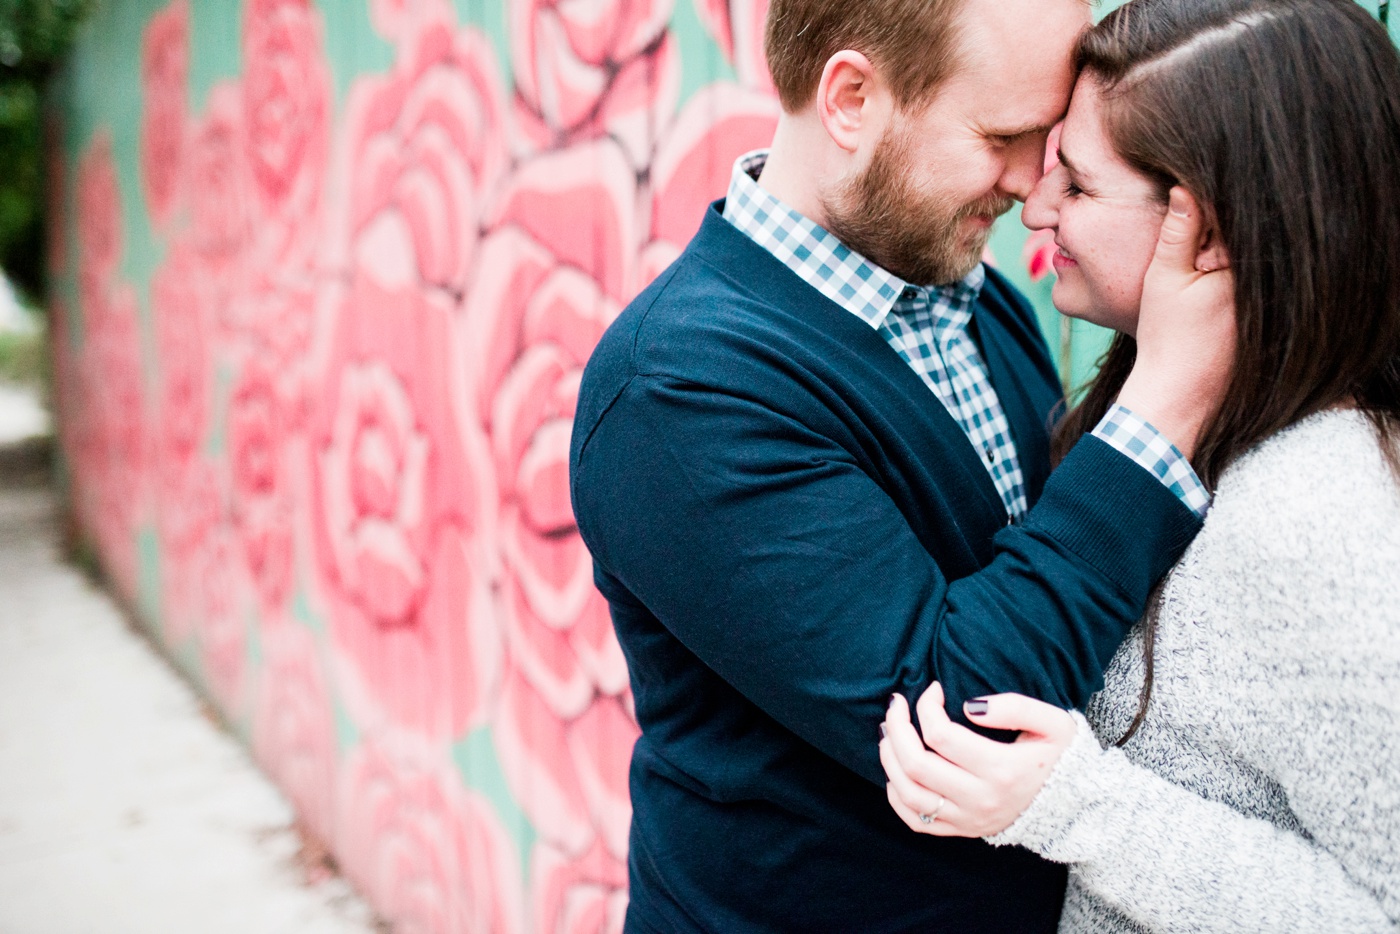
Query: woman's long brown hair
[[1282, 118]]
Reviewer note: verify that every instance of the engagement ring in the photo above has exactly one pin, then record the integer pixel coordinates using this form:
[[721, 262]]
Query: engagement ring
[[932, 815]]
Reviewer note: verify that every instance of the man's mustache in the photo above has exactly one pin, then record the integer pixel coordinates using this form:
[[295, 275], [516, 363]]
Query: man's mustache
[[994, 206]]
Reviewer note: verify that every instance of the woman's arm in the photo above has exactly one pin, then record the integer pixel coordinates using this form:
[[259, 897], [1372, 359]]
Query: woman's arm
[[1161, 855], [1284, 642], [1176, 862]]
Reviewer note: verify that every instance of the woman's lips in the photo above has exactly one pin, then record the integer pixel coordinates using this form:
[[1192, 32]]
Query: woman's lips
[[1063, 260]]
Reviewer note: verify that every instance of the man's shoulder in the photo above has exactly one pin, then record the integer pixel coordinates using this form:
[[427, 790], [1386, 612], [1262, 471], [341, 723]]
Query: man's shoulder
[[703, 315], [697, 322]]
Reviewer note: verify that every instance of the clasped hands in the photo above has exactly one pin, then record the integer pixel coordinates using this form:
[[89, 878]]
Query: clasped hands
[[953, 782]]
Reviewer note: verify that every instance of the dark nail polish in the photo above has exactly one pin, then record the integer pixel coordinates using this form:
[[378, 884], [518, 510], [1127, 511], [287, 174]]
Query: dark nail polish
[[975, 708], [882, 731]]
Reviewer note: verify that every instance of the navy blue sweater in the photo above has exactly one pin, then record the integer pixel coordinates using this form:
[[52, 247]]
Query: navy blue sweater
[[788, 527]]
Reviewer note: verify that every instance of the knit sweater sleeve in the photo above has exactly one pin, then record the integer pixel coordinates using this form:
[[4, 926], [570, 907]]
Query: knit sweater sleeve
[[1173, 861], [1291, 629]]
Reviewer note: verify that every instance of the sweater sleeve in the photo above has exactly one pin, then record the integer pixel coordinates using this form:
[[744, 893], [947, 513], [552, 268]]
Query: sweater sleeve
[[1175, 862], [1281, 650], [774, 556]]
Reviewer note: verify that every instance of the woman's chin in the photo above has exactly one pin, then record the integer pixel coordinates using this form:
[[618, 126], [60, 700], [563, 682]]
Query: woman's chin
[[1073, 306], [1068, 302]]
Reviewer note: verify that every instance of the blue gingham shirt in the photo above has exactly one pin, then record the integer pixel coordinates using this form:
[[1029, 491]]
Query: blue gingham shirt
[[927, 327]]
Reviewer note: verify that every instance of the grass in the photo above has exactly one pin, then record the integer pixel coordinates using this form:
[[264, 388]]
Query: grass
[[24, 358]]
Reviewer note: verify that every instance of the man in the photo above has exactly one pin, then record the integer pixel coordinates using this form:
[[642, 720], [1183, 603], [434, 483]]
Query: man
[[811, 463]]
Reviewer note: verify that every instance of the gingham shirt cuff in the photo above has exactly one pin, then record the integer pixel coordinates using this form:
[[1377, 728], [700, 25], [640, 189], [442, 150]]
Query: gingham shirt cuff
[[1150, 449]]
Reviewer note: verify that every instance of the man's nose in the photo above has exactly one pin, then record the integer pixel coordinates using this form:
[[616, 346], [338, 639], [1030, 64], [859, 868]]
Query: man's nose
[[1025, 164]]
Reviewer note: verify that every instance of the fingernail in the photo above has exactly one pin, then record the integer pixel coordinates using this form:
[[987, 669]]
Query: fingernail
[[976, 708], [1178, 202], [882, 731], [892, 697]]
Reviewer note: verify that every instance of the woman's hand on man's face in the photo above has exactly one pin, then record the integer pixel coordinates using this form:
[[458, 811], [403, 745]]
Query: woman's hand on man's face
[[1186, 330], [963, 784]]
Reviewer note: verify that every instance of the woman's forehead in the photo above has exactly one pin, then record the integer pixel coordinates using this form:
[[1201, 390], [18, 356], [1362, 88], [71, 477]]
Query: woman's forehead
[[1084, 146]]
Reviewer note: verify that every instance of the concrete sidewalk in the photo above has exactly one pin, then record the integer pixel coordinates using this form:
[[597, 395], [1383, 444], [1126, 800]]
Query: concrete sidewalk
[[122, 807]]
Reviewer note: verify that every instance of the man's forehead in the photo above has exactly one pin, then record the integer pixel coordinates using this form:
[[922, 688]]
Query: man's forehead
[[1019, 39], [1009, 19], [1014, 68]]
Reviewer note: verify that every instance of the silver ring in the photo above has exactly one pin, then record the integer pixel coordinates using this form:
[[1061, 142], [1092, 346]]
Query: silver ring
[[933, 815]]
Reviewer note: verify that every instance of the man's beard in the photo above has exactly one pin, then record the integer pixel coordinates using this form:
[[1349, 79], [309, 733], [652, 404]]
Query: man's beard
[[920, 238]]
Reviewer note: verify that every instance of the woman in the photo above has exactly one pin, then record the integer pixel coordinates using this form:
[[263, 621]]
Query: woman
[[1249, 772]]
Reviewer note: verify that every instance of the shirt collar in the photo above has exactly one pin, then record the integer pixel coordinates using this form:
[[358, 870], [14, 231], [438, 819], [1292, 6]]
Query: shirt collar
[[824, 262]]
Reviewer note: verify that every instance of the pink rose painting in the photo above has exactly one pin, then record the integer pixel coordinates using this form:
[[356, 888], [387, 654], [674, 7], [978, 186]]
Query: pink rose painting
[[165, 53], [398, 530], [119, 435], [695, 160], [286, 123], [583, 70], [403, 483], [189, 508], [542, 298], [423, 150], [737, 26], [400, 20], [221, 222], [99, 225], [285, 322], [221, 622], [587, 895], [294, 725], [432, 855], [261, 489], [112, 454], [183, 340]]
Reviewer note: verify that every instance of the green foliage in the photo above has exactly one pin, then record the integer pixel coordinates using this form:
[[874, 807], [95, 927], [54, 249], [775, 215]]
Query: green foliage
[[34, 35], [23, 357]]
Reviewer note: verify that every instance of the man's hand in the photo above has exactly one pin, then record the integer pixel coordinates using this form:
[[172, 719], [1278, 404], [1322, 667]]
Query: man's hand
[[1186, 330]]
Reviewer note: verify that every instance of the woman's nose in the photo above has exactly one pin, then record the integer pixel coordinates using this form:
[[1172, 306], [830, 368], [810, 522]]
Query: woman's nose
[[1042, 208]]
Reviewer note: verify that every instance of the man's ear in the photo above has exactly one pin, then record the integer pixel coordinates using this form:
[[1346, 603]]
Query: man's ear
[[1212, 254], [844, 97]]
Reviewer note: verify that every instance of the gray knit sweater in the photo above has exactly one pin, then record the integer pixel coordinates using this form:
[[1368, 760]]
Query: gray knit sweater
[[1262, 793]]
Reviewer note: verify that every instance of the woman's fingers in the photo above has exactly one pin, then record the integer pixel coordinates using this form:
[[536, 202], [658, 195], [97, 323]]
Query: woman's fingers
[[952, 741], [993, 782], [904, 750], [941, 826], [909, 749], [1181, 233], [1032, 717], [918, 796]]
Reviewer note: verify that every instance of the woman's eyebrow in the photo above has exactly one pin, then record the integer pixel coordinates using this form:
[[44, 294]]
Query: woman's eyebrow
[[1065, 161]]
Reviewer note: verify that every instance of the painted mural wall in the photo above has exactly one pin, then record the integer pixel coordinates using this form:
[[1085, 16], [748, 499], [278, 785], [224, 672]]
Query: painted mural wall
[[326, 275]]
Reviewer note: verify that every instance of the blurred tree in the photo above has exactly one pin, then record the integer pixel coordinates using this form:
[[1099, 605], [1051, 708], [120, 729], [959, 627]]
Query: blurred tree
[[34, 35]]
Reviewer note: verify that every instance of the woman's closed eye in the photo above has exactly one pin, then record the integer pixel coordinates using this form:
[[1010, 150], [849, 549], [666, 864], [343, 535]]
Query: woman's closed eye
[[1071, 190]]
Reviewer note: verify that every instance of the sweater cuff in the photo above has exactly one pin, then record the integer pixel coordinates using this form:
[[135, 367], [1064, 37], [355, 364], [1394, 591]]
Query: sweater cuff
[[1068, 790], [1139, 440], [1115, 516]]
